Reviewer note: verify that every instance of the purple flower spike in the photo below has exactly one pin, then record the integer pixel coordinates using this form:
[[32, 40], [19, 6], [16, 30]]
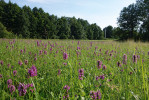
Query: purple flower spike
[[1, 62], [134, 58], [12, 88], [26, 62], [95, 95], [66, 87], [33, 71], [22, 89], [99, 64], [104, 67], [119, 64], [20, 63], [9, 82], [14, 72], [59, 72], [81, 74], [1, 76], [125, 59], [65, 56], [21, 51]]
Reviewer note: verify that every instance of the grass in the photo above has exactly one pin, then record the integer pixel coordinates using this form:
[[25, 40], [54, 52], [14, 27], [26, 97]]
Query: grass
[[128, 82]]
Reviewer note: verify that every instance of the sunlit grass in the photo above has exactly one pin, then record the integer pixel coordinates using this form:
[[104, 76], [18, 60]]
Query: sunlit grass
[[128, 82]]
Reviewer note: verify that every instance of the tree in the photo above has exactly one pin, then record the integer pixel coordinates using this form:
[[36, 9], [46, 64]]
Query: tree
[[96, 31], [109, 31], [128, 19], [64, 28], [3, 32]]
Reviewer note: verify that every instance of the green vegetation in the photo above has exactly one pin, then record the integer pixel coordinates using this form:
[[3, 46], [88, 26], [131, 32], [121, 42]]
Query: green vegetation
[[133, 23], [73, 69]]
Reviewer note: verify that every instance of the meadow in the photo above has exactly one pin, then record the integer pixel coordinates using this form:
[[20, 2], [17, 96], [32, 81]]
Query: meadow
[[73, 70]]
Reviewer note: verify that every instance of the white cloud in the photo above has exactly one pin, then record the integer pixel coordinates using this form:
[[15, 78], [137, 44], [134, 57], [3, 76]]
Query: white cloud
[[46, 1]]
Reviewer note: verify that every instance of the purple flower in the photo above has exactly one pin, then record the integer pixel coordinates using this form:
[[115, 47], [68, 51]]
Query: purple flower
[[45, 52], [96, 95], [14, 72], [119, 64], [134, 58], [65, 56], [9, 82], [1, 62], [20, 63], [59, 72], [125, 59], [35, 58], [104, 67], [1, 76], [40, 52], [81, 74], [99, 63], [22, 88], [12, 88], [21, 51], [26, 62], [66, 87], [102, 77], [33, 71], [65, 64], [38, 44], [78, 48]]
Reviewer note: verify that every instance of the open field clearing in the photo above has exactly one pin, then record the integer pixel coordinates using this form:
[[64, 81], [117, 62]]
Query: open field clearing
[[73, 70]]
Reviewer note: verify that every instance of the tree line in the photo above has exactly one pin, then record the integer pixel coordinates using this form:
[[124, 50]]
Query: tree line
[[25, 22]]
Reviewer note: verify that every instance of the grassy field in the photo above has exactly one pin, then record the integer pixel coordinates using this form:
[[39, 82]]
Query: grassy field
[[73, 70]]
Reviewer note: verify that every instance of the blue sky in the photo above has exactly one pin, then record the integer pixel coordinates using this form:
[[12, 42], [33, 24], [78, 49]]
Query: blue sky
[[102, 12]]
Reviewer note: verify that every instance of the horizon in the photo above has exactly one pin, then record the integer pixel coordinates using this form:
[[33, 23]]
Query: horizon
[[99, 12]]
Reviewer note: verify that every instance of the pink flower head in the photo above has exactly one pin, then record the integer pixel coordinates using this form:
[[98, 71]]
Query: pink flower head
[[14, 72], [99, 64], [32, 71], [22, 88], [20, 63], [26, 62], [12, 88], [1, 62], [125, 59], [104, 67], [65, 56]]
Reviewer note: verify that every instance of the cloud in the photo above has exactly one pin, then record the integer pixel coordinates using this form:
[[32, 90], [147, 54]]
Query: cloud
[[45, 1]]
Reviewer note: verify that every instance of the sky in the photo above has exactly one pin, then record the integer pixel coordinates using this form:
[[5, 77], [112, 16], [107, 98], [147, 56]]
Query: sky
[[101, 12]]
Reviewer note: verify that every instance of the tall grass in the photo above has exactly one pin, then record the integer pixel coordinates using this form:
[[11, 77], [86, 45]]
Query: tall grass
[[129, 81]]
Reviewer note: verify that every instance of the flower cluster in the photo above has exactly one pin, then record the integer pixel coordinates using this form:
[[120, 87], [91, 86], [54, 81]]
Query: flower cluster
[[96, 95], [99, 64], [100, 77], [66, 87], [65, 56], [32, 71], [81, 74], [22, 88], [10, 86]]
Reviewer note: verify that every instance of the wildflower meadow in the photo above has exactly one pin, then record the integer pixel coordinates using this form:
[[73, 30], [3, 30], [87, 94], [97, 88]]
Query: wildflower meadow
[[73, 70]]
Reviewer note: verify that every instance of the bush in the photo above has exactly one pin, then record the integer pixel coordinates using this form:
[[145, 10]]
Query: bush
[[4, 33]]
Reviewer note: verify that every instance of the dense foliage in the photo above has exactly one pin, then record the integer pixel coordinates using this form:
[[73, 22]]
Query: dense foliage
[[134, 21], [35, 23]]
